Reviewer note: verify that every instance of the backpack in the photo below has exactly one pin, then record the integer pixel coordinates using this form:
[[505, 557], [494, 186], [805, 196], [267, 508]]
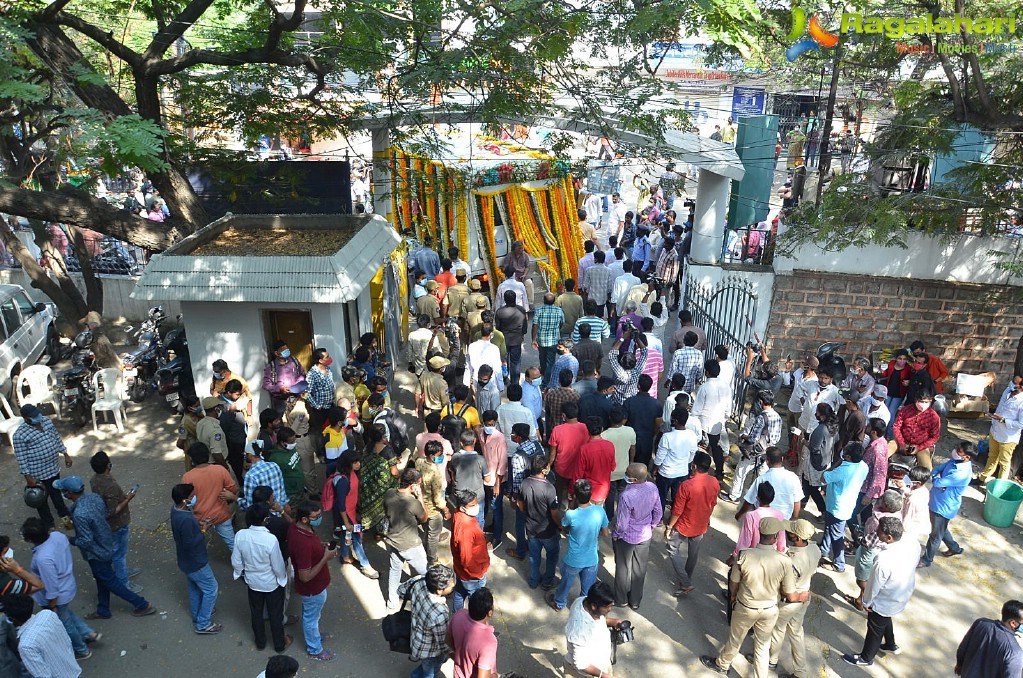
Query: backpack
[[452, 425], [397, 430], [327, 497]]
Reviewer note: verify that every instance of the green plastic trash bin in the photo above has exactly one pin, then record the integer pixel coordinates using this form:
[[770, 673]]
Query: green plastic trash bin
[[1002, 503]]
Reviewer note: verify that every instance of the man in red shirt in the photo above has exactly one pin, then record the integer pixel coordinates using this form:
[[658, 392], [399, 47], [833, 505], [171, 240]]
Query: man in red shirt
[[690, 519], [312, 576], [597, 461], [473, 638], [445, 278], [917, 429], [469, 555], [565, 443]]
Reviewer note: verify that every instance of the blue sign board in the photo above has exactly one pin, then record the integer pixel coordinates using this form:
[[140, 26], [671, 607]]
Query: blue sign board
[[748, 101]]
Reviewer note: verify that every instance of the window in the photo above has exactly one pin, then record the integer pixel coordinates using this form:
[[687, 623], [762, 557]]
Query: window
[[11, 316], [25, 304]]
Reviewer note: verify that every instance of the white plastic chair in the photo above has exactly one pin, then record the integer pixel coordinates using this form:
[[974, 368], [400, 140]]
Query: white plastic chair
[[41, 385], [8, 421], [108, 384]]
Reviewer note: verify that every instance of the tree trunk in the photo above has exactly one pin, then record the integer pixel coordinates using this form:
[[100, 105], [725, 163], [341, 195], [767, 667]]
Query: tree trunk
[[93, 285], [1017, 367]]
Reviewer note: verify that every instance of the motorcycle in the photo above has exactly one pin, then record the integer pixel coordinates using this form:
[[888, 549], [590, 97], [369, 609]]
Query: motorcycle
[[175, 378], [834, 364], [76, 392], [141, 365]]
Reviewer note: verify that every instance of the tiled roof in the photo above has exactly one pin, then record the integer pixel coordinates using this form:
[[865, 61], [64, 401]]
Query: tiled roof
[[179, 275]]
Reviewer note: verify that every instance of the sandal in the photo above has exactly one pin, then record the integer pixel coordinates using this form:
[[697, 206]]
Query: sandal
[[514, 554], [854, 601], [325, 656]]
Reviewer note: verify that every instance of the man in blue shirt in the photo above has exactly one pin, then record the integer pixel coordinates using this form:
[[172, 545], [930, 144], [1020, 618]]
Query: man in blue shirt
[[584, 524], [844, 483], [950, 481], [190, 546], [531, 396], [95, 540], [990, 648], [642, 254]]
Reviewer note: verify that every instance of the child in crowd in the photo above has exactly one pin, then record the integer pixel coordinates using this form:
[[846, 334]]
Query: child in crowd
[[888, 504]]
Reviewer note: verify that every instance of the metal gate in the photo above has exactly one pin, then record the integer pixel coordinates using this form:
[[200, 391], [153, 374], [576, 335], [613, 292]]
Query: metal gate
[[725, 311]]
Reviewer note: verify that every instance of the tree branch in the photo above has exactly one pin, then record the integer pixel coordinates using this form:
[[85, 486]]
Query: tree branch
[[52, 9], [81, 209], [257, 55], [104, 38], [163, 40]]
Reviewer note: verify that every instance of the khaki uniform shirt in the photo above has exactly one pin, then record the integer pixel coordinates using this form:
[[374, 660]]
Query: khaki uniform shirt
[[804, 564], [217, 385], [469, 303], [454, 299], [209, 433], [428, 305], [298, 419], [762, 574], [474, 321], [434, 390], [186, 431]]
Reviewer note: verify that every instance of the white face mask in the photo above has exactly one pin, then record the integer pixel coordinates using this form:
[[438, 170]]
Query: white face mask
[[472, 510], [490, 430], [290, 446]]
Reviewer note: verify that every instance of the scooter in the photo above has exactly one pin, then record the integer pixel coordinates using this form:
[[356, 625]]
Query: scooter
[[174, 379], [142, 364], [834, 364], [76, 393]]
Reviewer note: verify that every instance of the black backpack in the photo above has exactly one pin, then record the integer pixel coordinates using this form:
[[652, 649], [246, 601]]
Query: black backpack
[[397, 430], [452, 425]]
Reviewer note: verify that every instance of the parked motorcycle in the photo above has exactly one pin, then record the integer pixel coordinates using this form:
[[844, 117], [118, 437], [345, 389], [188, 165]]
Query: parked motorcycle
[[141, 365], [834, 364], [76, 393], [174, 379]]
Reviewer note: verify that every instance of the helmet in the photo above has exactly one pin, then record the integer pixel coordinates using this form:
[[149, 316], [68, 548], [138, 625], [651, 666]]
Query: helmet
[[83, 339], [35, 496], [156, 313]]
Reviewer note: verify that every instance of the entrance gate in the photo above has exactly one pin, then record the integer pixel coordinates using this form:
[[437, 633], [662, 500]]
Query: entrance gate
[[725, 311]]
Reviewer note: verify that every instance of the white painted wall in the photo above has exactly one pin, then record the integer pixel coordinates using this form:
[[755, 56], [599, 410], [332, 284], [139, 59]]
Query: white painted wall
[[235, 332], [763, 286], [965, 259]]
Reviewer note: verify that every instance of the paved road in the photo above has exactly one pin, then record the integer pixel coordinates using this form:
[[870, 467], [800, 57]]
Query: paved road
[[670, 633]]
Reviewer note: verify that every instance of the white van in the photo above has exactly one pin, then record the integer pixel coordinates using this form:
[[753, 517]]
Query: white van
[[26, 333]]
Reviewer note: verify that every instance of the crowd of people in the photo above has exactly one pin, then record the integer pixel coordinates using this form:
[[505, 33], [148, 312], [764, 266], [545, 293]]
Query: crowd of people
[[582, 447]]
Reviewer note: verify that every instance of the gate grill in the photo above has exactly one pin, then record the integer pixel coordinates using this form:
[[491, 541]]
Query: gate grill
[[725, 311]]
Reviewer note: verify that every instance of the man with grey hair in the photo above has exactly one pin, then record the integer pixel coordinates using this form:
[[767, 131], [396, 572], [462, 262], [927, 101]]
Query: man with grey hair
[[859, 379]]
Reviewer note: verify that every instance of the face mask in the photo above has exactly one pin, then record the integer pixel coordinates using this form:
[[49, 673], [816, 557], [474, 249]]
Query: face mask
[[876, 401], [472, 510], [537, 381], [490, 430], [286, 353], [290, 446], [922, 406], [9, 553], [438, 460], [630, 481], [328, 362], [900, 362], [482, 383], [191, 502], [218, 375], [317, 520]]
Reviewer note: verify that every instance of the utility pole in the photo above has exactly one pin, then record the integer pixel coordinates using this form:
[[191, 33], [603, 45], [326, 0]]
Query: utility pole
[[824, 167]]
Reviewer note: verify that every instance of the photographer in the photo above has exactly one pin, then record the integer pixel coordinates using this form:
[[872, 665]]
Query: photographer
[[766, 377], [589, 643], [627, 367]]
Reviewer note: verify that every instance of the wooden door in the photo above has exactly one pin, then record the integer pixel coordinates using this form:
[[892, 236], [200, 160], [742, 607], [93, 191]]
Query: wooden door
[[295, 328]]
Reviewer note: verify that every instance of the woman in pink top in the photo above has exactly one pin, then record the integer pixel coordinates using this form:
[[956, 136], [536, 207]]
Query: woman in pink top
[[749, 534]]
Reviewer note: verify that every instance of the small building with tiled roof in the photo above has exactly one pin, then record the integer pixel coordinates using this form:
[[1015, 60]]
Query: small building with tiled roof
[[245, 281]]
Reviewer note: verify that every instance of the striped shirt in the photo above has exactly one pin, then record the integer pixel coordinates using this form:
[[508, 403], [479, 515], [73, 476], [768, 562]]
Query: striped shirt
[[598, 328], [654, 364], [627, 382], [667, 266], [45, 647], [38, 451]]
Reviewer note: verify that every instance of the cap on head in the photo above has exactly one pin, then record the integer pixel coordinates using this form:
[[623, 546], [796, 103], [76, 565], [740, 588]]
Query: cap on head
[[481, 303], [431, 285], [802, 528], [209, 402], [439, 362], [475, 285], [70, 484], [32, 414], [770, 525], [880, 391]]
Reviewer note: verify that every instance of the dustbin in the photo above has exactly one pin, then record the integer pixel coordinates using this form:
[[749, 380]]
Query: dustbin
[[1002, 503]]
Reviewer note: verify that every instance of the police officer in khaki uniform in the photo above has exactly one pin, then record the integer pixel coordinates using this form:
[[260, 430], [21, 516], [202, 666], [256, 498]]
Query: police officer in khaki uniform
[[298, 421], [469, 304], [186, 428], [456, 295], [757, 578], [210, 434], [805, 555]]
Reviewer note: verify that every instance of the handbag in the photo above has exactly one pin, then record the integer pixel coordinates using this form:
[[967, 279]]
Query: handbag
[[397, 627]]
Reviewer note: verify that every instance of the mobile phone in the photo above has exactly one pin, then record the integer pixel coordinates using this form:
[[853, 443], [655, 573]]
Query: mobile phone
[[333, 544], [133, 489]]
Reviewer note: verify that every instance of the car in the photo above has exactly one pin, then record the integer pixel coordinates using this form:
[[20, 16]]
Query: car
[[27, 331]]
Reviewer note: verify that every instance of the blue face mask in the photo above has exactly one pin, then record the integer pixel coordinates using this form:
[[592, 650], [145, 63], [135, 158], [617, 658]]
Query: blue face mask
[[317, 520], [537, 381], [191, 502], [438, 460], [286, 353], [218, 375]]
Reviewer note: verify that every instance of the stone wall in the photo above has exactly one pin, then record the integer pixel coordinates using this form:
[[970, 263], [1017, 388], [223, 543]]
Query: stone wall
[[972, 328]]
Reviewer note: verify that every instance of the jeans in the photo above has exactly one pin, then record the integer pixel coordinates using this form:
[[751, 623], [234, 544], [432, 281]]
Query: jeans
[[630, 571], [56, 498], [537, 545], [273, 602], [586, 575], [514, 363], [547, 356], [667, 487], [684, 568], [311, 608], [202, 596], [76, 628], [355, 549], [833, 543], [495, 506], [893, 405], [107, 583], [120, 561], [226, 532], [429, 668], [939, 533], [465, 588], [416, 557], [878, 627]]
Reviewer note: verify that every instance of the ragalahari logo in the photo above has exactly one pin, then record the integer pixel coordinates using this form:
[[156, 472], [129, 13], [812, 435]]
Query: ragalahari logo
[[818, 36]]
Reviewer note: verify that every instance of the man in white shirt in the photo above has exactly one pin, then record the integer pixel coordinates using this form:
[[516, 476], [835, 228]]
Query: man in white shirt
[[257, 557], [826, 392], [482, 352], [622, 285], [727, 366], [594, 209], [512, 283], [616, 210], [675, 453], [788, 491], [713, 405], [514, 412], [873, 405], [889, 588], [43, 644], [1006, 424]]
